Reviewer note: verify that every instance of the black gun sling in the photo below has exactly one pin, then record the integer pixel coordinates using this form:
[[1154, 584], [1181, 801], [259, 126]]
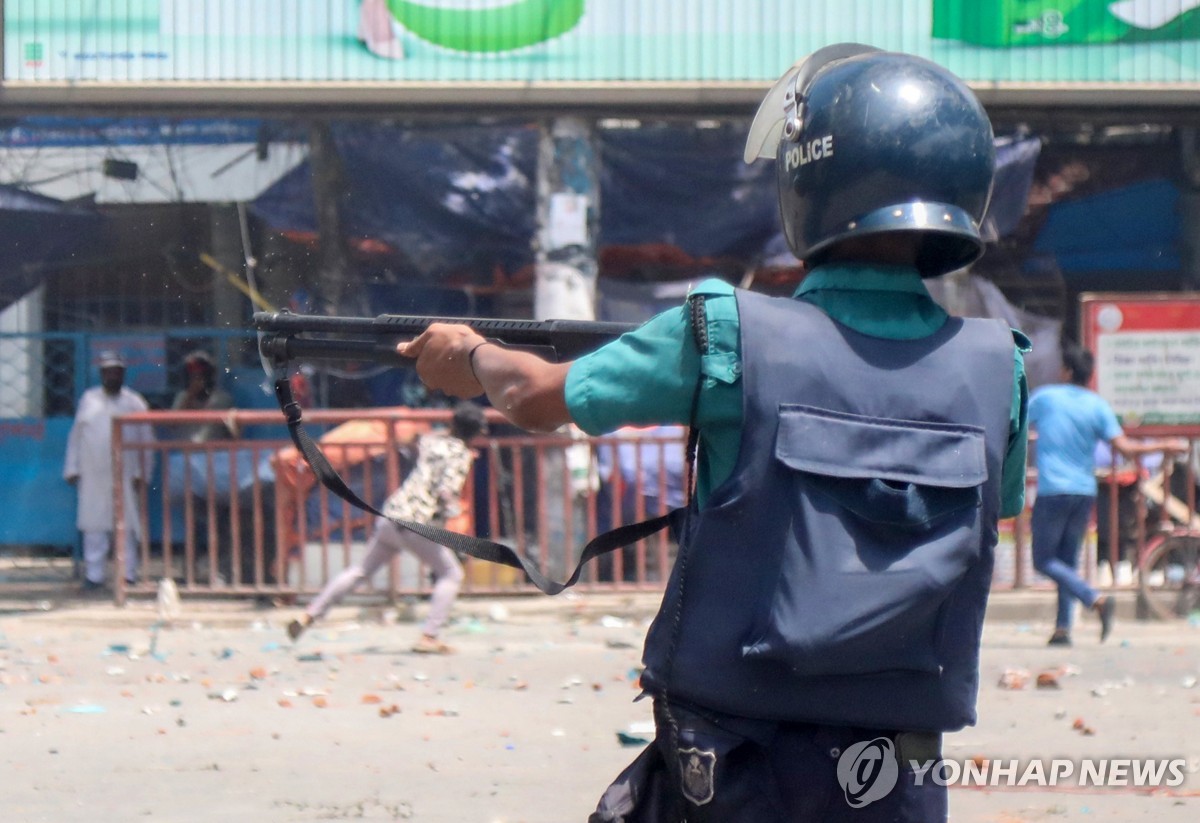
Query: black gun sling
[[479, 547]]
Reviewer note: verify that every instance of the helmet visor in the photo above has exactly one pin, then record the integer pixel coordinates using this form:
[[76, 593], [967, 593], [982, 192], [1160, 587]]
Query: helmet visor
[[767, 128]]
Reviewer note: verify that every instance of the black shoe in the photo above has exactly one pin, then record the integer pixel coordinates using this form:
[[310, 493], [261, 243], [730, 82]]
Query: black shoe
[[1108, 610], [91, 587], [1059, 638]]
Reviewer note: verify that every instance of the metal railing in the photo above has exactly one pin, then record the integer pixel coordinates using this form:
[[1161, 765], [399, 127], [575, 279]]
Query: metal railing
[[247, 517]]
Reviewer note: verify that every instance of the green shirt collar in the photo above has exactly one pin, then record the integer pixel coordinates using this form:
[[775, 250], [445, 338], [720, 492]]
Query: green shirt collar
[[862, 278], [881, 301]]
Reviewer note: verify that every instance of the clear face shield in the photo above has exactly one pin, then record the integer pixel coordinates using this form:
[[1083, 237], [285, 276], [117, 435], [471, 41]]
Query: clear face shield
[[778, 115]]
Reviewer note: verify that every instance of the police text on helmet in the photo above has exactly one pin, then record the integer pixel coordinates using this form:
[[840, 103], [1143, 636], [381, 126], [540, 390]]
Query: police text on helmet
[[808, 151]]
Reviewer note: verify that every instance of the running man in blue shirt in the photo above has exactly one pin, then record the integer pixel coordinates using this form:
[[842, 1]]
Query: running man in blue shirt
[[1069, 420], [857, 447]]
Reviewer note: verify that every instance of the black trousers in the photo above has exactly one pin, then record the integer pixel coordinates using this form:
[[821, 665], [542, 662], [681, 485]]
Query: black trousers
[[706, 769]]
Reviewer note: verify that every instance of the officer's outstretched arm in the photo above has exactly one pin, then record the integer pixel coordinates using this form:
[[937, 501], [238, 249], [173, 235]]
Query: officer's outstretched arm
[[523, 387]]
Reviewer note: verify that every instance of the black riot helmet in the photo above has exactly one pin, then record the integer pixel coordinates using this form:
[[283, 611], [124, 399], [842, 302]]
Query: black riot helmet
[[867, 142]]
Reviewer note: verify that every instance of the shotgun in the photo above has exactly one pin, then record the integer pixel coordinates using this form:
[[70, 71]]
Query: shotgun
[[284, 337]]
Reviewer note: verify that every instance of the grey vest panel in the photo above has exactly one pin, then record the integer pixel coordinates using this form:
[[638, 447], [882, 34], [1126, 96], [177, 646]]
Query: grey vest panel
[[841, 574]]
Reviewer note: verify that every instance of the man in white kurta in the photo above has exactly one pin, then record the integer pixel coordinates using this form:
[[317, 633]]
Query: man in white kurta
[[89, 466]]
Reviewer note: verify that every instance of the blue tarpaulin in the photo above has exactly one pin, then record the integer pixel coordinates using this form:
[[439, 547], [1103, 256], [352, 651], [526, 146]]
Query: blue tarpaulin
[[462, 199], [687, 187], [40, 234], [458, 201], [1134, 228], [447, 199]]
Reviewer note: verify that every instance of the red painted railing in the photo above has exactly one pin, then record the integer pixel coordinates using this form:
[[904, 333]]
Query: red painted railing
[[247, 517]]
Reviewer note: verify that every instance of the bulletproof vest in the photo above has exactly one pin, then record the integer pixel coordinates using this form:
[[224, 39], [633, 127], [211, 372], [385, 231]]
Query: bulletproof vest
[[840, 575]]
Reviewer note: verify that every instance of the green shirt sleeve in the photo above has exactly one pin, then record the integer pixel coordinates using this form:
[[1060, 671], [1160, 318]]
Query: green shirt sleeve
[[1012, 479], [649, 375], [644, 377]]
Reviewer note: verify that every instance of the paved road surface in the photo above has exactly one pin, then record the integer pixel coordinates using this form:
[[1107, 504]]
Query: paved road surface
[[104, 717]]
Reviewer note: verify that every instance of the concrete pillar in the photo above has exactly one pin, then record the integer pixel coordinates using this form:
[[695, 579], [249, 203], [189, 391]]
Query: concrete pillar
[[565, 289], [568, 215]]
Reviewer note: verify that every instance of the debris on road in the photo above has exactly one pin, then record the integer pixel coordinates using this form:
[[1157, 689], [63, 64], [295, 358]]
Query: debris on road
[[1014, 679], [1048, 680]]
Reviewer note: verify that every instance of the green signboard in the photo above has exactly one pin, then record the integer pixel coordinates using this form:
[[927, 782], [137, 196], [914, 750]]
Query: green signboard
[[1130, 43]]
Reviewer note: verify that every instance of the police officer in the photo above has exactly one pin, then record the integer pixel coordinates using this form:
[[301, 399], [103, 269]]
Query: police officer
[[857, 446]]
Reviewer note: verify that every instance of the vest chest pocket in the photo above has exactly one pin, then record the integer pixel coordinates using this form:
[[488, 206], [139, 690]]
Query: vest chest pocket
[[885, 521]]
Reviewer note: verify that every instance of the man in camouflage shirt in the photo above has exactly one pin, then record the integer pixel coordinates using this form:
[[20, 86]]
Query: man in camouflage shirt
[[429, 494]]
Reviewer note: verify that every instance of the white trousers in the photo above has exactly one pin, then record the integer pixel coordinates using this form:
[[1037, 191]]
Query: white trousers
[[96, 548], [386, 542]]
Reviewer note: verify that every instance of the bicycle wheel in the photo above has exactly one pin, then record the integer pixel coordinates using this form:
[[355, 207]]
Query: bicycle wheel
[[1170, 578]]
